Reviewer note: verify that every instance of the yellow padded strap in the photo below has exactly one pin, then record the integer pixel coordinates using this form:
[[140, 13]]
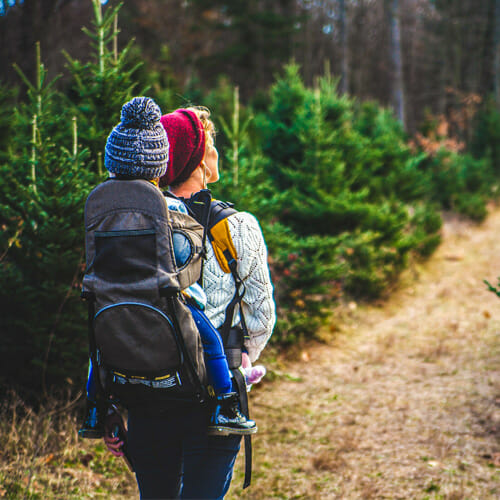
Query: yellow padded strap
[[221, 240]]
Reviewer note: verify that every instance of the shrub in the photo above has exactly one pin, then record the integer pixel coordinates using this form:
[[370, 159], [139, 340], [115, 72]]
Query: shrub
[[42, 195], [486, 136], [460, 183], [344, 180]]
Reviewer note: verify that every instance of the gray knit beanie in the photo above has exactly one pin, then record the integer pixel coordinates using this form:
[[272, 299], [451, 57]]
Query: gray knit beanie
[[138, 145]]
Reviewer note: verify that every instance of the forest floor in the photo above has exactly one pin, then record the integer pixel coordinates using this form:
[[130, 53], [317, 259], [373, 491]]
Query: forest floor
[[400, 400]]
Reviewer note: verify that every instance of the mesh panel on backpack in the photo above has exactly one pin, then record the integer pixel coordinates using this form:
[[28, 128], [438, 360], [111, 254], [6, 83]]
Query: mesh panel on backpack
[[148, 346]]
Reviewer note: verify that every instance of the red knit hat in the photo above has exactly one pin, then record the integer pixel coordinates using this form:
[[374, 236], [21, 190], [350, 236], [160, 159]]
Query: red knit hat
[[186, 137]]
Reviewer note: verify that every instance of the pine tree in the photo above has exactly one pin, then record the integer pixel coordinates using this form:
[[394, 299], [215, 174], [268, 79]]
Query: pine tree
[[243, 177], [42, 194], [8, 98], [344, 180], [102, 85]]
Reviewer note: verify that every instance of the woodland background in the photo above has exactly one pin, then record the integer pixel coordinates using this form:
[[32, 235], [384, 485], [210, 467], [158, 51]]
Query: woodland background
[[346, 126]]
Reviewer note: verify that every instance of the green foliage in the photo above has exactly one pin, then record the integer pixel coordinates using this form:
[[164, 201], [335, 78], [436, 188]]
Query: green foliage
[[461, 183], [307, 281], [162, 85], [494, 289], [347, 194], [344, 199], [101, 85], [384, 161], [8, 98], [486, 137], [243, 177], [424, 227], [42, 195]]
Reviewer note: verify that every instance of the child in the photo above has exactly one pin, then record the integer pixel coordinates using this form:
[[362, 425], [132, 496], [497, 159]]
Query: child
[[226, 417]]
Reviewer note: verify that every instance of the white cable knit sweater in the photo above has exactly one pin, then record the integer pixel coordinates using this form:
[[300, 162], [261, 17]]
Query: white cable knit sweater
[[258, 303]]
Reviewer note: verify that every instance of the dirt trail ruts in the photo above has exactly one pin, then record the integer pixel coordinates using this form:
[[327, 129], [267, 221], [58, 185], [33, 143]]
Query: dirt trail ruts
[[403, 401]]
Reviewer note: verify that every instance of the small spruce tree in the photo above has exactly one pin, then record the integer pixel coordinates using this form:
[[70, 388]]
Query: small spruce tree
[[42, 194], [101, 85]]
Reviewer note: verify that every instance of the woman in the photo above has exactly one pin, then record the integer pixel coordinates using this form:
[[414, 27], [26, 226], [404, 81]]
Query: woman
[[193, 164], [172, 453]]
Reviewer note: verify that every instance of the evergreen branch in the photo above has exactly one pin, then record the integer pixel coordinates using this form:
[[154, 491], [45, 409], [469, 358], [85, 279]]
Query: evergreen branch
[[57, 319], [69, 58], [89, 33], [51, 84], [13, 239], [225, 128], [97, 11], [108, 38], [246, 124], [125, 51], [491, 288], [24, 78]]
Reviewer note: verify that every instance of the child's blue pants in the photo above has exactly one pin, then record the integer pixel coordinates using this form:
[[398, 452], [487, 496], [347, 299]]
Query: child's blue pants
[[215, 359]]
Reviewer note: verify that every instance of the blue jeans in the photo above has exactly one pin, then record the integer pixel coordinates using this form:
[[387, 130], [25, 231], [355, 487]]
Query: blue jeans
[[173, 456]]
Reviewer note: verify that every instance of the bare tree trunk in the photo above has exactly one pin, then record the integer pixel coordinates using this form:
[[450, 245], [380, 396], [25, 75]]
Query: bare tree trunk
[[496, 48], [344, 81], [397, 91]]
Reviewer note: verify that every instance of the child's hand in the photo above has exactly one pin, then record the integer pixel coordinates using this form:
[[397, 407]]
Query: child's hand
[[245, 361], [254, 375]]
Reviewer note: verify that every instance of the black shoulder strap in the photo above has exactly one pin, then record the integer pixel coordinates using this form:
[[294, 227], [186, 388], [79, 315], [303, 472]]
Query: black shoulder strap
[[199, 205], [219, 211], [209, 212]]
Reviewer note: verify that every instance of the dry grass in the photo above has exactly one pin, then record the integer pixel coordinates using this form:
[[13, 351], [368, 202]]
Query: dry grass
[[42, 458], [401, 400]]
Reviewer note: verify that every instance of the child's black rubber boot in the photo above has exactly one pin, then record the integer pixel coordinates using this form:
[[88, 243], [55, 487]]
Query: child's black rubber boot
[[227, 418]]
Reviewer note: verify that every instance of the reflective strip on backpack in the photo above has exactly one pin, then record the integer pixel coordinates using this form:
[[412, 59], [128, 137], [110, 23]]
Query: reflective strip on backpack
[[163, 382]]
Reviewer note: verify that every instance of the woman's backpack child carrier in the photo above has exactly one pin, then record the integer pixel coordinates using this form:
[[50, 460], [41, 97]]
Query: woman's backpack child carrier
[[144, 344]]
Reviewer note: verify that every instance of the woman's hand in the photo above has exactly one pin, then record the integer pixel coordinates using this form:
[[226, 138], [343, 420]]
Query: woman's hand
[[114, 444], [114, 430]]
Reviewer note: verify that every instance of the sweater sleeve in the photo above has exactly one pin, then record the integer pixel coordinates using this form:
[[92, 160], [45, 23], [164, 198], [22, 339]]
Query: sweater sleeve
[[258, 303]]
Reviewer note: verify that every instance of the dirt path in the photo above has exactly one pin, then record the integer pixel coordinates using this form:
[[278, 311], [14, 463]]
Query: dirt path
[[404, 401]]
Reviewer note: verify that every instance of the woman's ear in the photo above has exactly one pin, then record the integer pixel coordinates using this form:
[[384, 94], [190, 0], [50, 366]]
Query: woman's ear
[[208, 173], [203, 171]]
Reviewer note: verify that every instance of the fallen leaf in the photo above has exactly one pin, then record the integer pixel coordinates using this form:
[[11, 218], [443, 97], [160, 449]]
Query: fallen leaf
[[453, 257]]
